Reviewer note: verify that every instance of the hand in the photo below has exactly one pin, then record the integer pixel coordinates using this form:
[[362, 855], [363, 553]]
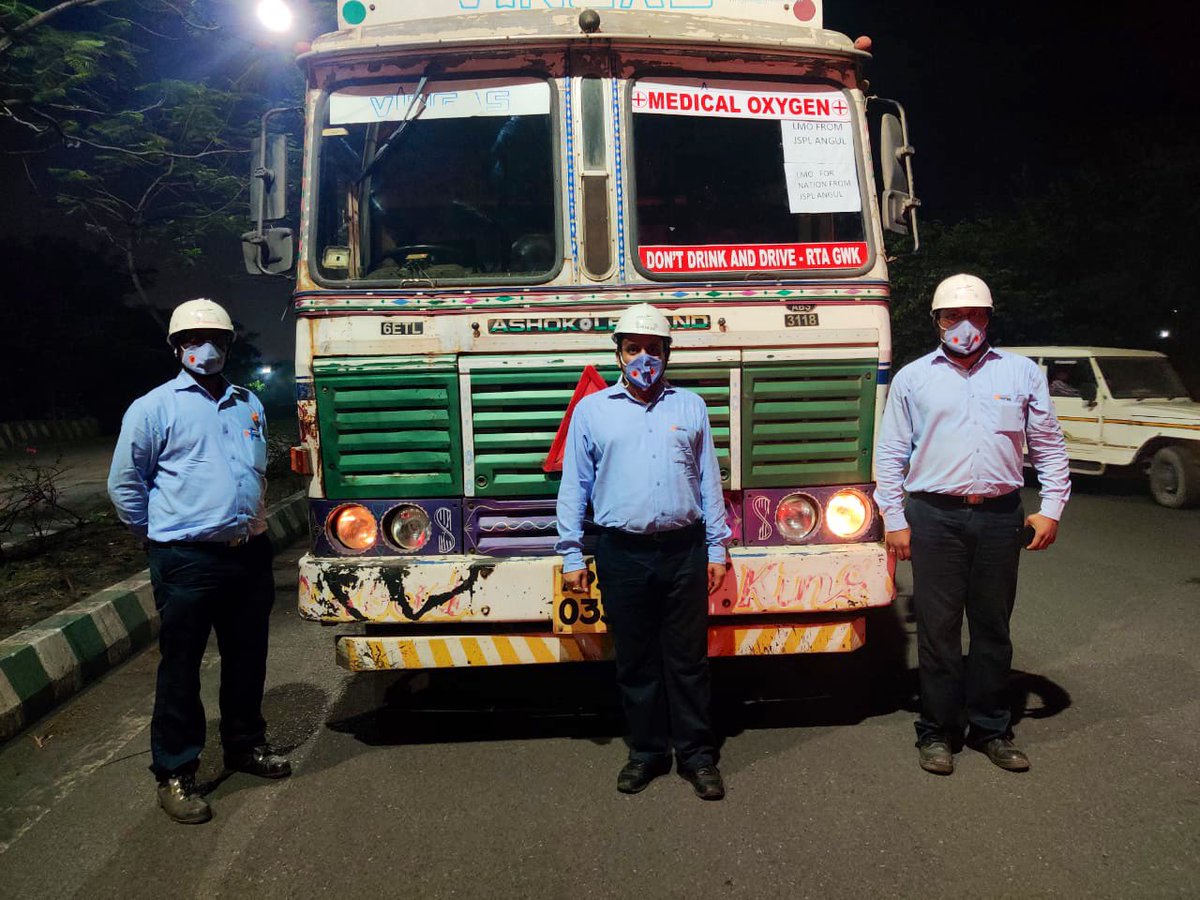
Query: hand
[[899, 543], [576, 581], [716, 575], [1045, 530]]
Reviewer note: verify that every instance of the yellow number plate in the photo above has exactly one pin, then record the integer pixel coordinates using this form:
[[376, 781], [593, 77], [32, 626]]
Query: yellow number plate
[[578, 612]]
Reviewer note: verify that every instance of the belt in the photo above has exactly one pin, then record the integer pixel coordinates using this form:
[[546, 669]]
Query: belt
[[210, 545], [650, 538], [976, 501]]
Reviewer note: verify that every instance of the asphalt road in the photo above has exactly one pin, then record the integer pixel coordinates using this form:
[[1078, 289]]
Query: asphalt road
[[501, 782]]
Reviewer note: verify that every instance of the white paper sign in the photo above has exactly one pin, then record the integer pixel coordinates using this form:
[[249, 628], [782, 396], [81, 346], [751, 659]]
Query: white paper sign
[[819, 166], [357, 106]]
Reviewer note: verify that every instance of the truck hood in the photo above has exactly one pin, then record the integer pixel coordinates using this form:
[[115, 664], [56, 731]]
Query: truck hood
[[1184, 412]]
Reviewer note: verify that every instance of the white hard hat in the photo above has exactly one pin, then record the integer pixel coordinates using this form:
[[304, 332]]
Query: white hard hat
[[197, 314], [962, 291], [643, 319]]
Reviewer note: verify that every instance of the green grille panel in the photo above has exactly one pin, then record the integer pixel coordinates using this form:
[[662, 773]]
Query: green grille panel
[[394, 434], [515, 416], [808, 423]]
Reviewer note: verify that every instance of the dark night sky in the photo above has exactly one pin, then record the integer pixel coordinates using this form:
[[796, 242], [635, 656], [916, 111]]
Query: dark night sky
[[996, 95], [1001, 92]]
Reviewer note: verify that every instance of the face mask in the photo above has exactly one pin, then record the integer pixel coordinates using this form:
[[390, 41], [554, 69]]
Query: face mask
[[963, 338], [203, 359], [644, 370]]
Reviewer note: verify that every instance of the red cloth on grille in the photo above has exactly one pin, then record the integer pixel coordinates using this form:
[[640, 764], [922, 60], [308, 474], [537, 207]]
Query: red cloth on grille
[[589, 382]]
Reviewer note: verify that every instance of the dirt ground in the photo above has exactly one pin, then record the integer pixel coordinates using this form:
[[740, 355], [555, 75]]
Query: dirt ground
[[36, 582]]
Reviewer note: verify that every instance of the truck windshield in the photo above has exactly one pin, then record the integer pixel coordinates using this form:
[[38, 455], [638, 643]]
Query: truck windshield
[[735, 177], [1141, 377], [454, 183]]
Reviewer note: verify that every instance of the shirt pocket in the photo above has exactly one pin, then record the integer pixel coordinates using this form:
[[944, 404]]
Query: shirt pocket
[[1008, 416], [258, 450]]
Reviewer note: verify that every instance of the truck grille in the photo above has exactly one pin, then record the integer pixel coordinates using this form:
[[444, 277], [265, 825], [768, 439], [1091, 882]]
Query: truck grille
[[808, 423], [515, 416], [390, 434]]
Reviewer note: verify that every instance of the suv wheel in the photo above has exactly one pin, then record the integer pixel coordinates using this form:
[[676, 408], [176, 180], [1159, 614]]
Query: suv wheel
[[1175, 476]]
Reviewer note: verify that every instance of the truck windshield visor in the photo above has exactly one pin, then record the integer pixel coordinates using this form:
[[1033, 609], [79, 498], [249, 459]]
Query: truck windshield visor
[[1141, 378], [438, 182], [735, 177]]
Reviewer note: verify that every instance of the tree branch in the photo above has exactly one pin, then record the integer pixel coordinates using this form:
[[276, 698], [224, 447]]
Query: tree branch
[[41, 18]]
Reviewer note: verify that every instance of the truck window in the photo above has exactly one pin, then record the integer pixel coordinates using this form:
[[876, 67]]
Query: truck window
[[738, 176], [462, 191]]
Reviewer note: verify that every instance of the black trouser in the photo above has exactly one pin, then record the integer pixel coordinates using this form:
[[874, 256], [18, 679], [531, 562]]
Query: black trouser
[[199, 588], [964, 558], [656, 603]]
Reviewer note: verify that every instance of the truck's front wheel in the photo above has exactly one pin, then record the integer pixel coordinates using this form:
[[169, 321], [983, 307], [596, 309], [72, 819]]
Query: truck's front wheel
[[1175, 476]]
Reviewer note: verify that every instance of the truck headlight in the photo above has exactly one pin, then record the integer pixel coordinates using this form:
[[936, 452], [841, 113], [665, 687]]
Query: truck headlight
[[409, 527], [354, 527], [848, 513], [796, 517]]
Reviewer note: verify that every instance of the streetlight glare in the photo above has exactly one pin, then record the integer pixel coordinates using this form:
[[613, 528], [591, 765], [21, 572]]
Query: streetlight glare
[[265, 370], [275, 15], [1164, 334]]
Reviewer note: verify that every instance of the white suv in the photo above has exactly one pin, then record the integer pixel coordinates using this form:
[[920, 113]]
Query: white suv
[[1125, 407]]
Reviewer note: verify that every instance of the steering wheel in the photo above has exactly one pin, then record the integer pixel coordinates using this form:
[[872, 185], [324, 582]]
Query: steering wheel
[[441, 254]]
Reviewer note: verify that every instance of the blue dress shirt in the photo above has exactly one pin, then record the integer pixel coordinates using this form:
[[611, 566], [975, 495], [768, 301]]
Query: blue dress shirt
[[949, 430], [191, 468], [644, 467]]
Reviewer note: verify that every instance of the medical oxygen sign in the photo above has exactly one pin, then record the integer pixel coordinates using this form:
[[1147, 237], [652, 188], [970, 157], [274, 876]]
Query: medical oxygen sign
[[819, 168]]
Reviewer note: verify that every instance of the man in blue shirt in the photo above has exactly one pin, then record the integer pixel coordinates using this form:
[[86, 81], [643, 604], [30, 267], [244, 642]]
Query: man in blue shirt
[[188, 476], [952, 437], [641, 452]]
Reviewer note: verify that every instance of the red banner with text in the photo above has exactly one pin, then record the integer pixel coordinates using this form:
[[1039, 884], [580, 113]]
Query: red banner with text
[[752, 257]]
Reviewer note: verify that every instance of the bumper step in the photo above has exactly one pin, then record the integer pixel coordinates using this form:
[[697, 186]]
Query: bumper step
[[377, 654]]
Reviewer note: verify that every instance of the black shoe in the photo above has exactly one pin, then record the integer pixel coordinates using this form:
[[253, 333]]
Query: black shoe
[[936, 757], [181, 801], [636, 774], [1002, 752], [706, 782], [261, 761]]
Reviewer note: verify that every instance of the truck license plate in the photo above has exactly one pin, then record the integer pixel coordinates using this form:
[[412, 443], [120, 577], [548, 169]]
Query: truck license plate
[[800, 320], [579, 612]]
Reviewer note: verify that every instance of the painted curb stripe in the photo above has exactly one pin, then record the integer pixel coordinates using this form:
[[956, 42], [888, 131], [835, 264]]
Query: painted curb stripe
[[24, 672], [48, 662]]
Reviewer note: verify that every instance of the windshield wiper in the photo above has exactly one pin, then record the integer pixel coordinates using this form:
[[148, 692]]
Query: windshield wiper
[[408, 119]]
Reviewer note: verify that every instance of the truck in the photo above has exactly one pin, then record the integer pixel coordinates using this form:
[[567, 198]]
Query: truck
[[1122, 408], [487, 185]]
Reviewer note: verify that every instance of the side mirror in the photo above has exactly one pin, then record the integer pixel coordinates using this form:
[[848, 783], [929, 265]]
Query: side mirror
[[270, 251], [1087, 391], [899, 202]]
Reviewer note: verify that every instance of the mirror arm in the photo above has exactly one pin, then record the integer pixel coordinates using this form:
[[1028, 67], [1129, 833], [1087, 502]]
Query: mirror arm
[[262, 171], [904, 155]]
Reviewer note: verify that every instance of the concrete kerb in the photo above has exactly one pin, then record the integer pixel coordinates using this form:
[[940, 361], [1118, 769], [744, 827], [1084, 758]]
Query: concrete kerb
[[43, 665], [16, 434]]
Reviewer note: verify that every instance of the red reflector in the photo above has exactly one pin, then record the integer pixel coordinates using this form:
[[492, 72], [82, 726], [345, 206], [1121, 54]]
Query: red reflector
[[301, 464]]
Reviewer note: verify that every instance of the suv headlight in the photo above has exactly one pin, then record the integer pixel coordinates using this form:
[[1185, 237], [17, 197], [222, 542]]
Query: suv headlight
[[796, 517]]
